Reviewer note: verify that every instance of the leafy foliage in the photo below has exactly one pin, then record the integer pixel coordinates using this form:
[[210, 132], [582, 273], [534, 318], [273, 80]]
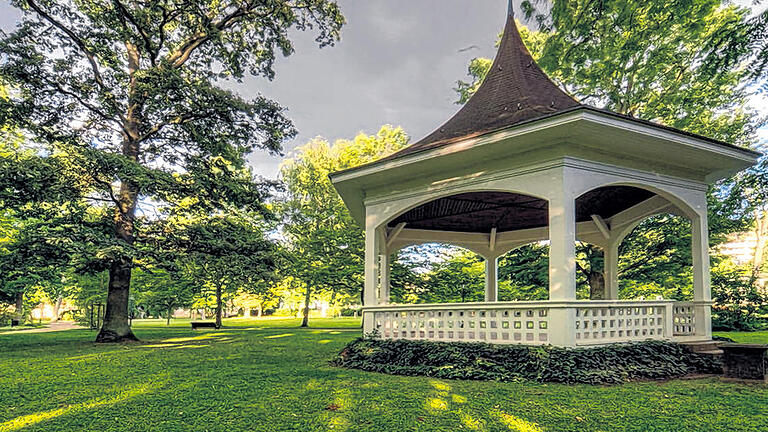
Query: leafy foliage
[[221, 254], [133, 93], [324, 244], [603, 365], [738, 300]]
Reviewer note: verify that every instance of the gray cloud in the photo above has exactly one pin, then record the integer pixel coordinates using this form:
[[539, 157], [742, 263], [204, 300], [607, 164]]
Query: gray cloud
[[397, 63]]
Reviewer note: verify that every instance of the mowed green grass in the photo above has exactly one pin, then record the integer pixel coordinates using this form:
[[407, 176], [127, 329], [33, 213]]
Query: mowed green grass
[[268, 375]]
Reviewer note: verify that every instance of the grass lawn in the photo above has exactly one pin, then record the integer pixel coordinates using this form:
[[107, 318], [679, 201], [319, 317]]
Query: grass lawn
[[267, 375]]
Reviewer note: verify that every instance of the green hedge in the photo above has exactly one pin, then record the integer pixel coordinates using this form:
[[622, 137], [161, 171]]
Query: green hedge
[[479, 361]]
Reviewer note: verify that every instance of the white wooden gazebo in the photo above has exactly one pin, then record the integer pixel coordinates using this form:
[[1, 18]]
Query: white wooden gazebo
[[524, 162]]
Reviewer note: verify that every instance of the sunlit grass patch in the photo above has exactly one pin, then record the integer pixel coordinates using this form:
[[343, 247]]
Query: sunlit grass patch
[[279, 336], [32, 419], [517, 424], [242, 380]]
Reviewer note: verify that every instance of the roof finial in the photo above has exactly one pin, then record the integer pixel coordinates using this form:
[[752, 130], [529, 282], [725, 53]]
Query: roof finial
[[511, 9]]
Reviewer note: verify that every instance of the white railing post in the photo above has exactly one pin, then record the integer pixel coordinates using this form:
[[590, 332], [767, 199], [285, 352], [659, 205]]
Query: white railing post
[[669, 320]]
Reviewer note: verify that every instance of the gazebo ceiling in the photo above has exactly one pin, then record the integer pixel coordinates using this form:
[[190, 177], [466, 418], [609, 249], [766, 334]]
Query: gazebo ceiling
[[479, 212]]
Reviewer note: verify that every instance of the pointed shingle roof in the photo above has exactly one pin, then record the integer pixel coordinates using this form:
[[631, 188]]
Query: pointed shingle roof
[[514, 91]]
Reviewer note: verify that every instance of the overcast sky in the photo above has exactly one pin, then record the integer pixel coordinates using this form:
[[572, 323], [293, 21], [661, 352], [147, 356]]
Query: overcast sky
[[397, 63]]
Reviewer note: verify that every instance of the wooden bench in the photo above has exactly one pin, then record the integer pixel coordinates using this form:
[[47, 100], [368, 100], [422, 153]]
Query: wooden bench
[[745, 361], [203, 324]]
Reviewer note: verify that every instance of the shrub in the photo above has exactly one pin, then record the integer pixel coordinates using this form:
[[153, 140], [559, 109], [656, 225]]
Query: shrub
[[738, 299], [479, 361]]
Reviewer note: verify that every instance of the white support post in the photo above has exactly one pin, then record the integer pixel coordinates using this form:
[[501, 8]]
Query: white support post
[[562, 265], [702, 290], [491, 279], [562, 251], [384, 277], [611, 269], [372, 240]]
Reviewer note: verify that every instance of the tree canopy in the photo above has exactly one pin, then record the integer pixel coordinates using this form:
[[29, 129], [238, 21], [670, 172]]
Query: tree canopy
[[133, 93]]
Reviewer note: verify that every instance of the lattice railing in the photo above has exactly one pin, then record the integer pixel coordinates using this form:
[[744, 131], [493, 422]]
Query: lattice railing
[[537, 323], [606, 324], [684, 319], [527, 325]]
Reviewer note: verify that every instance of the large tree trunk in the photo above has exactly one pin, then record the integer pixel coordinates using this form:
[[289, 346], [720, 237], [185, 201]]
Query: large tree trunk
[[57, 308], [218, 306], [116, 326], [305, 320], [20, 307], [168, 317], [596, 282]]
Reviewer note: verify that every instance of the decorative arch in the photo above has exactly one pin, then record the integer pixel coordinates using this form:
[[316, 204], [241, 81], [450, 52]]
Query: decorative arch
[[685, 199], [649, 201]]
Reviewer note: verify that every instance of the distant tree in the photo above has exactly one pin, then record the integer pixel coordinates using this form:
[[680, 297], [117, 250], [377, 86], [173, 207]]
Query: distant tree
[[324, 244], [524, 273], [457, 277], [227, 253], [163, 289], [133, 92], [739, 302], [259, 299]]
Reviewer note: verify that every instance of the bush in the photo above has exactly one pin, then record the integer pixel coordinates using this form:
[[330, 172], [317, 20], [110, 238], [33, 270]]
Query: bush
[[479, 361], [738, 299], [350, 312]]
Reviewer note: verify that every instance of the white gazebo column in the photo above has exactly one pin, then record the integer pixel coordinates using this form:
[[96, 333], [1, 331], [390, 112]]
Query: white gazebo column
[[702, 291], [492, 279], [562, 266], [384, 271], [611, 269], [370, 288]]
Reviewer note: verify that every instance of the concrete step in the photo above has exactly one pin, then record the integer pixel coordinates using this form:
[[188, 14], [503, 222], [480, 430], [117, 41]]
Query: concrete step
[[714, 352]]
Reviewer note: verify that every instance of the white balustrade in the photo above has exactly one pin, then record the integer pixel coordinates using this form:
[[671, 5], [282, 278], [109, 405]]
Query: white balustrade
[[684, 319], [595, 322], [620, 323], [465, 322]]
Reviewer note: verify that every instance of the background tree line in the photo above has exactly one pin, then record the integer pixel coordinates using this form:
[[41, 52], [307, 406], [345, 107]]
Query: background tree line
[[122, 162]]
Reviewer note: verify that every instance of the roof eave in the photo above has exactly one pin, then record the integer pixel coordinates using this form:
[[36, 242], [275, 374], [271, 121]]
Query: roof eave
[[576, 113]]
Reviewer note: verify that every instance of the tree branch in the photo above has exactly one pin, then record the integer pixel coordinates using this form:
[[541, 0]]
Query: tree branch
[[180, 56], [74, 37], [131, 19], [87, 105]]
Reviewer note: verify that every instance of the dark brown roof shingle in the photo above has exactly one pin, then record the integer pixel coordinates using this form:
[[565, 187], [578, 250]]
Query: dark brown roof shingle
[[514, 91]]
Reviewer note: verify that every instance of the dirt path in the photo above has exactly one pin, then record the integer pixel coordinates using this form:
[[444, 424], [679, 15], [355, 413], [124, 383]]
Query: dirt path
[[53, 327]]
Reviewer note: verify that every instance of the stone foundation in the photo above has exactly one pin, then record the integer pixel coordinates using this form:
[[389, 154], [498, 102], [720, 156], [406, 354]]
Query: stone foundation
[[745, 361]]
